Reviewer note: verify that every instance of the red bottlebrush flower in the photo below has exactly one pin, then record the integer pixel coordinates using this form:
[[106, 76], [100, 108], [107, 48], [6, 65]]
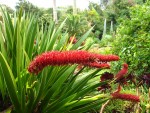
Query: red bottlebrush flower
[[97, 65], [128, 97], [73, 40], [68, 57], [58, 58], [122, 72]]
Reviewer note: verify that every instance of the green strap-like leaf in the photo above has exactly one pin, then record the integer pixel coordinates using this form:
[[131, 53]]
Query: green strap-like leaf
[[10, 82], [75, 46], [89, 106]]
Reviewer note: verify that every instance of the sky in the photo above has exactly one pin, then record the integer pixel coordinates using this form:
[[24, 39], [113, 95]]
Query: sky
[[82, 4]]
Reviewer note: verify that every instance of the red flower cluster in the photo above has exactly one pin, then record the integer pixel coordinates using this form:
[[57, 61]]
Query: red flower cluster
[[105, 76], [70, 57], [122, 72], [128, 97]]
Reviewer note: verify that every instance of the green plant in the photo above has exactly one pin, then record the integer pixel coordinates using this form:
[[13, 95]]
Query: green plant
[[75, 25], [132, 42]]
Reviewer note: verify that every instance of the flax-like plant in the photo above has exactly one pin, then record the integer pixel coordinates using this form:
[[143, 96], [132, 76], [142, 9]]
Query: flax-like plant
[[57, 89]]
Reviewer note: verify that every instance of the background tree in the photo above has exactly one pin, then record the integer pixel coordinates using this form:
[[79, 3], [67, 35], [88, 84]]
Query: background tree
[[27, 7], [115, 11], [44, 15]]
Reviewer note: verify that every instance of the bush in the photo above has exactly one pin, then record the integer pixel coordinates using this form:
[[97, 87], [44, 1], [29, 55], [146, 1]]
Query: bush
[[132, 42]]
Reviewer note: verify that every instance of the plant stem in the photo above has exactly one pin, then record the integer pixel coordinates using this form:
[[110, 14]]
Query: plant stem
[[103, 106]]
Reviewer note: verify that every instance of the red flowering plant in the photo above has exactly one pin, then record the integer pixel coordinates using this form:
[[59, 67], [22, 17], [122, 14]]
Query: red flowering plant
[[120, 79], [87, 59], [55, 88]]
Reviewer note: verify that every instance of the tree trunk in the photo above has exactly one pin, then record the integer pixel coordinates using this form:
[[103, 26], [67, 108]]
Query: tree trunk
[[74, 7], [54, 11]]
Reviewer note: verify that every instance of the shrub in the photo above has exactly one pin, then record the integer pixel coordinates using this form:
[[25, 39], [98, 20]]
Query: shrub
[[132, 42]]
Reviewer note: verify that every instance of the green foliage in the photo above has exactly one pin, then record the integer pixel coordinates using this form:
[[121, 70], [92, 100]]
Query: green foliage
[[27, 6], [106, 41], [145, 106], [119, 106], [118, 9], [96, 7], [95, 19], [132, 42], [45, 17]]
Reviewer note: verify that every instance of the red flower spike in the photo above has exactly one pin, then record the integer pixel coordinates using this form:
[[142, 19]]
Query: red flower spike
[[97, 65], [122, 72], [69, 57], [58, 58], [106, 58], [128, 97]]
